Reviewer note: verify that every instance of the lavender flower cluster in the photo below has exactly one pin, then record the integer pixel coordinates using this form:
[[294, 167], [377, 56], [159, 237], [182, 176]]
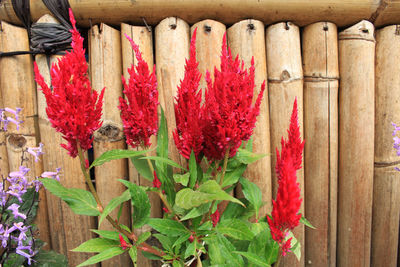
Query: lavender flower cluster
[[16, 233], [396, 140]]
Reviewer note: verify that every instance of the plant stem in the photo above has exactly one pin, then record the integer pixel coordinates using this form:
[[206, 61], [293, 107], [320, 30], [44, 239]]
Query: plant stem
[[226, 158], [278, 261], [132, 235]]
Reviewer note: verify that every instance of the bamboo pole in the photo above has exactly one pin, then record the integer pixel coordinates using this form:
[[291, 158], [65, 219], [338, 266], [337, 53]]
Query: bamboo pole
[[105, 70], [356, 144], [172, 48], [18, 89], [321, 73], [142, 36], [386, 196], [63, 220], [247, 39], [285, 83], [4, 170], [387, 13], [301, 12]]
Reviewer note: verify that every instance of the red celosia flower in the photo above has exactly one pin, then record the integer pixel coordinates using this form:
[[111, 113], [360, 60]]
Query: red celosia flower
[[122, 242], [73, 108], [285, 212], [156, 181], [285, 246], [229, 114], [188, 135], [215, 217], [139, 109], [165, 210]]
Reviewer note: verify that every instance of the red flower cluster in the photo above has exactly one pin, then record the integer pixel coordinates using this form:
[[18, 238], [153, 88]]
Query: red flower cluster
[[73, 108], [188, 135], [123, 243], [229, 114], [156, 181], [215, 217], [285, 212], [227, 117], [140, 115]]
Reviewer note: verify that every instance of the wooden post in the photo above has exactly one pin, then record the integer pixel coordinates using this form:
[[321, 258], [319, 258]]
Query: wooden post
[[285, 83], [247, 39], [386, 206], [172, 48], [142, 36], [321, 74], [106, 71], [18, 89], [356, 144], [63, 220]]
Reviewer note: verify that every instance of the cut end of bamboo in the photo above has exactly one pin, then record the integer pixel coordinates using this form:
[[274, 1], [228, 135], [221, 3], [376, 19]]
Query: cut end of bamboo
[[364, 30]]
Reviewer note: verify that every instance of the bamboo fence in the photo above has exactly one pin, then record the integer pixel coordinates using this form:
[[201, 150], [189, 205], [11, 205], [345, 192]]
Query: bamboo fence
[[346, 84]]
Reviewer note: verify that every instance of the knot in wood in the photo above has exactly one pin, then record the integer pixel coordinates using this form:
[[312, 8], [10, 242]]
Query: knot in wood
[[17, 141], [207, 28], [285, 75], [109, 131]]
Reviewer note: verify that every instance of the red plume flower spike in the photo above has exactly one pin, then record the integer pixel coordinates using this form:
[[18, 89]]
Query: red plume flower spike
[[188, 135], [139, 109], [73, 108], [229, 114], [285, 212]]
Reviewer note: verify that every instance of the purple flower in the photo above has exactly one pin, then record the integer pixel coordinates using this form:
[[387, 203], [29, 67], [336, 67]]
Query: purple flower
[[36, 151], [14, 208], [5, 119], [3, 195], [26, 255], [37, 184], [52, 175], [396, 140]]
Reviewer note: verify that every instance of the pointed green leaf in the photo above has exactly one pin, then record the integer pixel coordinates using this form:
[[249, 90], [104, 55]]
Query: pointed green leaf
[[162, 142], [80, 201], [113, 235], [246, 157], [252, 193], [166, 161], [181, 239], [115, 202], [143, 237], [96, 245], [133, 253], [45, 259], [192, 170], [142, 166], [104, 255], [165, 241], [212, 187], [253, 258], [182, 179], [304, 221], [140, 203], [295, 246], [235, 228], [231, 177], [198, 211], [116, 154], [190, 250], [167, 226]]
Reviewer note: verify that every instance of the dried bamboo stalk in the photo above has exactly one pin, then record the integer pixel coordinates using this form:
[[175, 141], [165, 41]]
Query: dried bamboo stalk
[[142, 36], [386, 196], [63, 220], [321, 73], [18, 90], [301, 12], [356, 144], [105, 71], [247, 39], [172, 48], [285, 83]]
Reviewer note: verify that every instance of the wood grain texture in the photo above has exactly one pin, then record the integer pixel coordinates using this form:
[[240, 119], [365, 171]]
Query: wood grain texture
[[301, 12], [356, 144], [106, 71], [321, 72], [285, 83], [142, 36], [18, 89], [172, 48], [386, 196], [247, 39]]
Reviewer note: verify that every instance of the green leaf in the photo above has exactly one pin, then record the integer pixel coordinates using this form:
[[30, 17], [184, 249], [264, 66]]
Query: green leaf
[[304, 221], [198, 211], [115, 202], [246, 157], [235, 228], [212, 187], [116, 154], [162, 141], [133, 253], [165, 241], [231, 177], [96, 245], [190, 250], [253, 258], [233, 210], [182, 179], [150, 256], [142, 166], [181, 239], [143, 237], [295, 246], [167, 226], [140, 203], [220, 252], [176, 263], [49, 259], [165, 160], [30, 196], [192, 170], [80, 201], [104, 255], [252, 193], [113, 235]]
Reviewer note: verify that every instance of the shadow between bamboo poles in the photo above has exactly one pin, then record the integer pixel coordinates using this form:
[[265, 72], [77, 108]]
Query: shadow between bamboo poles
[[386, 193], [62, 220], [144, 39], [18, 90], [285, 83], [247, 39], [356, 144], [321, 74], [172, 43], [106, 71]]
